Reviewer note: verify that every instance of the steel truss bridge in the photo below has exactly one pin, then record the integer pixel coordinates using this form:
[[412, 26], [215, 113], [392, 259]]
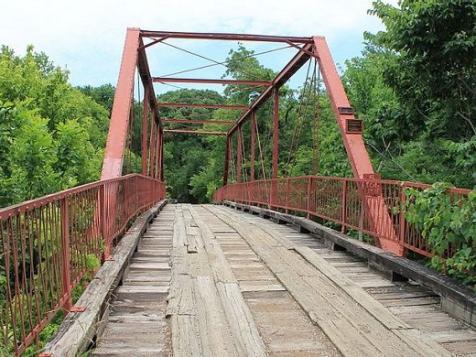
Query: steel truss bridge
[[180, 279]]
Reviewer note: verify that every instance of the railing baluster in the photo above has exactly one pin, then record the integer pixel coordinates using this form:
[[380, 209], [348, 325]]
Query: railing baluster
[[344, 206], [66, 254], [308, 206]]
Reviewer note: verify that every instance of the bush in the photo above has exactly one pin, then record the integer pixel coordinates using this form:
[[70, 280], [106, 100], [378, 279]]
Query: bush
[[449, 228]]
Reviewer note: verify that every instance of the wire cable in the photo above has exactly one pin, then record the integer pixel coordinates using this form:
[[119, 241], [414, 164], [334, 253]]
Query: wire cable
[[216, 63]]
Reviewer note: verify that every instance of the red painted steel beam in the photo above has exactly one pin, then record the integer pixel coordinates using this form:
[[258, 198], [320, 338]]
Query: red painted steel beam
[[119, 123], [207, 106], [292, 67], [184, 131], [144, 72], [192, 121], [145, 132], [158, 173], [161, 152], [275, 133], [354, 142], [239, 154], [252, 146], [152, 152], [210, 81], [356, 151], [227, 160], [225, 36]]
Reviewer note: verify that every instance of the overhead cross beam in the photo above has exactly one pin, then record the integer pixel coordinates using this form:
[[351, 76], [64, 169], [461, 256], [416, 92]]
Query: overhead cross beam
[[224, 36], [193, 121], [208, 106], [211, 81], [196, 132]]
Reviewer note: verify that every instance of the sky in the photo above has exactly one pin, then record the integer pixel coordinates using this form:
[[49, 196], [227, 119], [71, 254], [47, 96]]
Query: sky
[[86, 37]]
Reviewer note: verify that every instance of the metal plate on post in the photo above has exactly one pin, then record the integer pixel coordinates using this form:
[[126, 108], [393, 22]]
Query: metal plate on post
[[354, 126], [346, 110]]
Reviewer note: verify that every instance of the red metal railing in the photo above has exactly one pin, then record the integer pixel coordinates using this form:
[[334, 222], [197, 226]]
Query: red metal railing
[[49, 244], [370, 206]]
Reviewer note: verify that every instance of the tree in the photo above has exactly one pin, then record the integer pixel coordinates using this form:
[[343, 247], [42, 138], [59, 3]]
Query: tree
[[414, 88], [51, 134], [78, 161], [32, 159]]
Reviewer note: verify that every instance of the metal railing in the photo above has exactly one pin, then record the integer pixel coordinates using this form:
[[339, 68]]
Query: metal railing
[[47, 246], [370, 206]]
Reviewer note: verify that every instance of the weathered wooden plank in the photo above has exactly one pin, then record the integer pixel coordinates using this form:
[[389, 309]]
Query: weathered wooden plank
[[215, 331], [351, 328], [354, 291], [241, 321]]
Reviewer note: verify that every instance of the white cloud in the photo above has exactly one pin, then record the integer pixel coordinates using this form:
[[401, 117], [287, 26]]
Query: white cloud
[[87, 35]]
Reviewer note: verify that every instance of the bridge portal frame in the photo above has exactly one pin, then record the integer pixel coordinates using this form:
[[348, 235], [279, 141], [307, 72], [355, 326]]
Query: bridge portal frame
[[134, 56]]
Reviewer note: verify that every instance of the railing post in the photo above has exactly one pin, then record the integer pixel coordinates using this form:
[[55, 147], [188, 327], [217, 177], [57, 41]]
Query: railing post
[[309, 187], [271, 193], [287, 195], [104, 228], [401, 239], [66, 254], [344, 206]]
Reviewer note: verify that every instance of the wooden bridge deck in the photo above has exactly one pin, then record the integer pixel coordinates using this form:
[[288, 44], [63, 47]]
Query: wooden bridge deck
[[212, 281]]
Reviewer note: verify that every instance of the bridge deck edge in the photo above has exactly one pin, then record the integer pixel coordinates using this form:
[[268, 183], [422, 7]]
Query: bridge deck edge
[[78, 330]]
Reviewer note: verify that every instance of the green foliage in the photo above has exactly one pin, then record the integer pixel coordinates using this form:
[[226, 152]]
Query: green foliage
[[103, 94], [414, 88], [447, 225], [92, 262], [32, 157], [186, 156], [51, 134]]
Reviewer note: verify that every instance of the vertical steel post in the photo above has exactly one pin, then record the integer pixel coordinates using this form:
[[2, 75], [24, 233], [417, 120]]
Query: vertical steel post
[[104, 223], [239, 154], [275, 161], [253, 146], [227, 160], [161, 155], [309, 189], [158, 150], [152, 149], [275, 133], [288, 187], [66, 254], [402, 225], [145, 131], [344, 206]]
